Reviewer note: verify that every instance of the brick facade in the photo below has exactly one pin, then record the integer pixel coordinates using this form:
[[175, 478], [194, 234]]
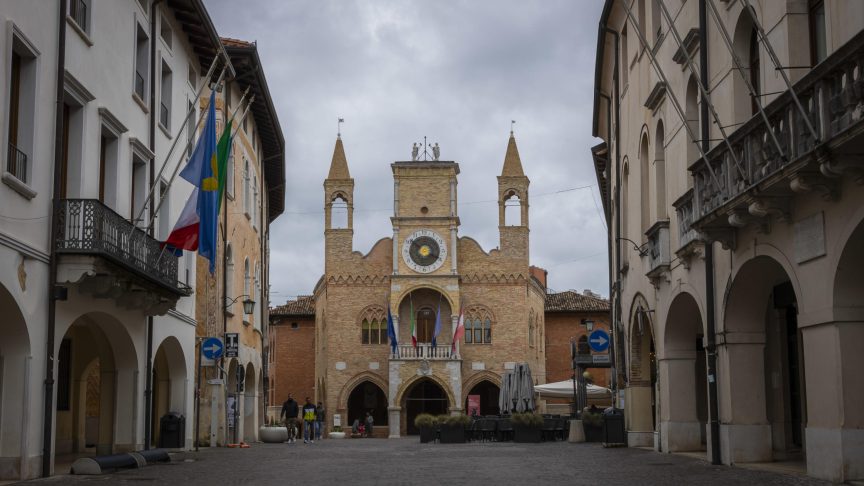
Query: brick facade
[[292, 355]]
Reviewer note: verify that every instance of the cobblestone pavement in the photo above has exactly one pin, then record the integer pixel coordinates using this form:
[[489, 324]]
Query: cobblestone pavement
[[406, 461]]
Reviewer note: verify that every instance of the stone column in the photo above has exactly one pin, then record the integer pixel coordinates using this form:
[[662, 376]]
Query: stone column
[[680, 429], [454, 369], [453, 254], [393, 416], [396, 251], [394, 410]]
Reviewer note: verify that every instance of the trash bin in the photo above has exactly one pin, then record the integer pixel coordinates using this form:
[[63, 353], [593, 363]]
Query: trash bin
[[613, 427], [172, 430]]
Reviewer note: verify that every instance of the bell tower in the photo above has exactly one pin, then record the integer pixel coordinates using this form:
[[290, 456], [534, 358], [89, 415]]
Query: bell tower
[[513, 203], [338, 208]]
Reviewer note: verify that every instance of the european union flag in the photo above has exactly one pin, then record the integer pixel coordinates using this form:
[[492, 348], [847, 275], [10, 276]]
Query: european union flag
[[391, 330], [203, 172]]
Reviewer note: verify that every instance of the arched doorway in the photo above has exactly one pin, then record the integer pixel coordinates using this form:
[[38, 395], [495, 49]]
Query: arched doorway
[[422, 307], [250, 404], [169, 384], [488, 393], [96, 389], [642, 385], [682, 369], [765, 409], [233, 409], [424, 396], [367, 397], [14, 356]]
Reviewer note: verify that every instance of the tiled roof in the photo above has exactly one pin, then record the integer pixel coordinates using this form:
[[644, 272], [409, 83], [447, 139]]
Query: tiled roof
[[572, 301], [303, 306], [228, 41]]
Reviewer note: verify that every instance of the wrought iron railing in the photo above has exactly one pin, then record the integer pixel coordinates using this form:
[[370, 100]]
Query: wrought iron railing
[[831, 95], [422, 351], [86, 226], [684, 208], [139, 85], [78, 12], [163, 114], [16, 163]]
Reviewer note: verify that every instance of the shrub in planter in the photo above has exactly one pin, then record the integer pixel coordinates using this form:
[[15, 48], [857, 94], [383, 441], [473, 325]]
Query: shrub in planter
[[527, 427], [453, 428], [592, 423], [426, 423], [337, 433]]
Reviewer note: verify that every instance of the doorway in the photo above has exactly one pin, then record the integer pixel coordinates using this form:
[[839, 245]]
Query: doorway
[[425, 396]]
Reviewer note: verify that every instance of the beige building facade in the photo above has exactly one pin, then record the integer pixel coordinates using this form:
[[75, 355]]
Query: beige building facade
[[425, 270], [736, 220]]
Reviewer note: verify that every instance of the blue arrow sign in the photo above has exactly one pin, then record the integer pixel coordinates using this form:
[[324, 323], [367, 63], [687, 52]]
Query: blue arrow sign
[[212, 348], [599, 340]]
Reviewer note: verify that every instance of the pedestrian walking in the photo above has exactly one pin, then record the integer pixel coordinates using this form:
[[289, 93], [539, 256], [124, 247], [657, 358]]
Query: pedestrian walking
[[308, 421], [320, 420], [290, 409], [369, 423]]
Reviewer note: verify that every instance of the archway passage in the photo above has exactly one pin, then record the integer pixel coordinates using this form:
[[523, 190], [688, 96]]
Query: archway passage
[[421, 306], [642, 387], [682, 370], [488, 393], [14, 355], [365, 398], [767, 407], [250, 404], [425, 396], [169, 389]]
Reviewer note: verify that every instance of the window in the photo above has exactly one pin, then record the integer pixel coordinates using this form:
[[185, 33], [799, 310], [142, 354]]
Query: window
[[139, 189], [512, 210], [229, 278], [165, 97], [190, 128], [229, 174], [255, 202], [165, 32], [660, 171], [79, 11], [754, 71], [625, 61], [247, 194], [21, 107], [64, 375], [164, 211], [142, 63], [478, 325], [692, 114], [373, 325], [644, 166], [816, 21], [192, 77], [245, 127], [257, 295], [656, 23], [294, 325], [246, 279], [108, 155], [339, 213], [582, 346], [531, 331]]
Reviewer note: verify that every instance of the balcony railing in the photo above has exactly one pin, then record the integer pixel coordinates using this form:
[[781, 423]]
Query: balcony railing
[[831, 95], [684, 208], [163, 114], [139, 85], [16, 163], [78, 12], [422, 351], [658, 248], [88, 227]]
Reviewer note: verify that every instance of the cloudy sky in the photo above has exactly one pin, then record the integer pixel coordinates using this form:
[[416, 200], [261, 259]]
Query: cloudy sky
[[454, 71]]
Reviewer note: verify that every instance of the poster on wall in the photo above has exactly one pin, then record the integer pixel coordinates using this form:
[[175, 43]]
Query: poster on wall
[[473, 405]]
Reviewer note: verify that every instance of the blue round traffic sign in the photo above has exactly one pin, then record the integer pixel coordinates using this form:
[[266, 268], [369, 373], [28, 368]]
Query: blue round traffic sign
[[598, 340], [212, 348]]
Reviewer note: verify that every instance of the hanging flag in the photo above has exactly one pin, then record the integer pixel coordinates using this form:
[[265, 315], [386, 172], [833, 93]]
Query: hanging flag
[[223, 153], [413, 324], [184, 236], [203, 172], [437, 324], [459, 332], [391, 331]]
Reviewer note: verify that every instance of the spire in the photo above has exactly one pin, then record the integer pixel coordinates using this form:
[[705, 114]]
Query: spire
[[512, 162], [339, 165]]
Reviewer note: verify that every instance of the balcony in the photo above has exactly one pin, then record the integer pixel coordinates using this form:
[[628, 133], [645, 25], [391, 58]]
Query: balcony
[[658, 249], [423, 351], [756, 180], [109, 257], [689, 240], [16, 163]]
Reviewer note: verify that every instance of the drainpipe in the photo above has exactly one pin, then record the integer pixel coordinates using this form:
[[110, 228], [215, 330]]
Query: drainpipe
[[711, 345], [148, 380], [48, 417]]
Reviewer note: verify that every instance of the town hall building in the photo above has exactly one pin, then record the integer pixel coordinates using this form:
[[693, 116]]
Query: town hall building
[[423, 274]]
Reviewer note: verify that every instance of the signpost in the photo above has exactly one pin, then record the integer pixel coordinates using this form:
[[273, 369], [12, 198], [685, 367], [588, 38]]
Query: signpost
[[232, 344], [598, 340], [211, 350]]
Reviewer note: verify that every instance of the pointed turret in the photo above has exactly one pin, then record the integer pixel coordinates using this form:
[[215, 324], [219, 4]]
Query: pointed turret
[[339, 164], [512, 162]]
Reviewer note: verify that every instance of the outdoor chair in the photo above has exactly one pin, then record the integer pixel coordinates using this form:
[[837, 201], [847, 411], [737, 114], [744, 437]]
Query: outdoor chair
[[549, 428], [561, 428], [472, 433], [505, 430], [487, 429]]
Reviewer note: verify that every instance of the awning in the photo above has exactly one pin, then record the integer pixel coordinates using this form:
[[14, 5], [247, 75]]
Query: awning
[[564, 389]]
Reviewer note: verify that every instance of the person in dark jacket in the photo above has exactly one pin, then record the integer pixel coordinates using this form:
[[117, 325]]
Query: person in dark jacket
[[290, 410], [319, 420]]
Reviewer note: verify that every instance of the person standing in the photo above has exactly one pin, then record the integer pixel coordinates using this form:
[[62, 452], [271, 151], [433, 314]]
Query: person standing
[[308, 421], [320, 419], [369, 423], [289, 415]]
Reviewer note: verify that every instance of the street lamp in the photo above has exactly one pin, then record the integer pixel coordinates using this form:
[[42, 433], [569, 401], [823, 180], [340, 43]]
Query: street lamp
[[589, 324], [248, 303]]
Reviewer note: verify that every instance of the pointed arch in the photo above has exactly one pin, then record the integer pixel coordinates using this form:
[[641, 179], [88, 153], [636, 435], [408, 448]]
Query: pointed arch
[[644, 185], [357, 379], [403, 390], [660, 171]]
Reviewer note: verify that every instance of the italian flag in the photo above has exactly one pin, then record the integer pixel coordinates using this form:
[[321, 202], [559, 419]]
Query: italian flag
[[459, 332], [413, 326]]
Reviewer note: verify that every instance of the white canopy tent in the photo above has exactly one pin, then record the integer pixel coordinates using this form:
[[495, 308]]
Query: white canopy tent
[[564, 389]]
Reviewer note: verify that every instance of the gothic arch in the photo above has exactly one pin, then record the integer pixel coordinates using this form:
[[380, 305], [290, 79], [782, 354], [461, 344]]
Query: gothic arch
[[351, 384], [405, 293], [476, 379], [400, 395]]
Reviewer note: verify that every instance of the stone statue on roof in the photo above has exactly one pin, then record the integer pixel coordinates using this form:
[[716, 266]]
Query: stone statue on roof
[[415, 151], [436, 151]]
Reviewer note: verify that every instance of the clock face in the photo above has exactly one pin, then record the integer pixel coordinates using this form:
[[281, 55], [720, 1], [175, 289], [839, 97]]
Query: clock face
[[424, 251]]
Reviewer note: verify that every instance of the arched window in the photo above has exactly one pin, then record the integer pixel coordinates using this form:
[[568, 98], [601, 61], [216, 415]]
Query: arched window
[[644, 191], [625, 211], [754, 71], [746, 47], [478, 325], [339, 213], [692, 114], [512, 210], [229, 275], [660, 171], [246, 278], [531, 330], [373, 326], [247, 194]]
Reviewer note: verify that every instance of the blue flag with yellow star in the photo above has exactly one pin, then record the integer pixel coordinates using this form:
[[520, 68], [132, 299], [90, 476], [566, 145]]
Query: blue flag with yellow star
[[203, 172]]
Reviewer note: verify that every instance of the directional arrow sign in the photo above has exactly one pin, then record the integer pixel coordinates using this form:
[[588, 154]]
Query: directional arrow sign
[[212, 348], [599, 341]]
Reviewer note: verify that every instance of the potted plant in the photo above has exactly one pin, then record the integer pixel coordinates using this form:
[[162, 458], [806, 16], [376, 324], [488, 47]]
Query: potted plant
[[426, 423], [527, 427], [273, 432], [336, 433], [592, 423], [453, 428]]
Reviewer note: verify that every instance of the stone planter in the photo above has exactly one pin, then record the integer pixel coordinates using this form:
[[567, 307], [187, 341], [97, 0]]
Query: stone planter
[[427, 434], [527, 433], [336, 435], [593, 433], [452, 434], [273, 435]]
